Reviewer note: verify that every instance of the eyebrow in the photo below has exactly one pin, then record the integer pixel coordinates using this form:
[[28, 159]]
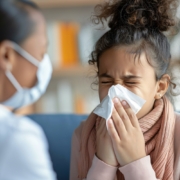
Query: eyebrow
[[131, 77], [123, 77], [105, 75]]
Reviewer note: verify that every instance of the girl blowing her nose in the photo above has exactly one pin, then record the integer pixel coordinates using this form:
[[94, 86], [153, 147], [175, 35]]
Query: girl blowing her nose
[[135, 54]]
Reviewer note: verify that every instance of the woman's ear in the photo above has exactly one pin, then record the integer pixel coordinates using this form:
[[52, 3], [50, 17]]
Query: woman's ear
[[163, 85], [7, 55]]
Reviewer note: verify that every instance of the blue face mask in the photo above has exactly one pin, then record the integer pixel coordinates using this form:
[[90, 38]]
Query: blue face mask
[[27, 96]]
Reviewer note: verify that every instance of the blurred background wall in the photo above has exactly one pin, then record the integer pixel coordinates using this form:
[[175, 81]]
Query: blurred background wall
[[71, 39]]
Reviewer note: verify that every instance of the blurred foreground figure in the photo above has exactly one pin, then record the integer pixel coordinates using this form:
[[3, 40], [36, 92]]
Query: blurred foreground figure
[[25, 72]]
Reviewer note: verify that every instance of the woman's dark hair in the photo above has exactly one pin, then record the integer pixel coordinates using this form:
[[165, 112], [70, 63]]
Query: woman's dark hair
[[138, 24], [15, 22]]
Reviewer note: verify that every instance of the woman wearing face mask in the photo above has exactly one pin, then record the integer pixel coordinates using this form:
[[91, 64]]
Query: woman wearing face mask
[[25, 71], [134, 54]]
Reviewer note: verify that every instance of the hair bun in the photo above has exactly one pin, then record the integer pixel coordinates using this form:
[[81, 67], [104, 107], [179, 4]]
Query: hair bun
[[154, 14]]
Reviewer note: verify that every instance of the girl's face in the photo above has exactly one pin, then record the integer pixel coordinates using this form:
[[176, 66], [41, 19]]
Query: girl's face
[[116, 66]]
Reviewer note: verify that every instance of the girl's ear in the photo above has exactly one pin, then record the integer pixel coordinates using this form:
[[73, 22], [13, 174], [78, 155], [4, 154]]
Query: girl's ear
[[7, 55], [163, 85]]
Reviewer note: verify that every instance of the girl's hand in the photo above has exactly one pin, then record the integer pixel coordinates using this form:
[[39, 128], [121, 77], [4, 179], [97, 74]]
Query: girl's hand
[[126, 134], [104, 148]]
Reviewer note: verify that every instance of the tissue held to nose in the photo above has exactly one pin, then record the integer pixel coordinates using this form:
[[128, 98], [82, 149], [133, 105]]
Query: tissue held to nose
[[105, 108]]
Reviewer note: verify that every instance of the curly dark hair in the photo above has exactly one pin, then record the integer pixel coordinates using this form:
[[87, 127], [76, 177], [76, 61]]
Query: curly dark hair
[[138, 13], [139, 24]]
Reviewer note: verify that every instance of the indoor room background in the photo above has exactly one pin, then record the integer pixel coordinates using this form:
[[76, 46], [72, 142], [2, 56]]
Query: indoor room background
[[71, 37]]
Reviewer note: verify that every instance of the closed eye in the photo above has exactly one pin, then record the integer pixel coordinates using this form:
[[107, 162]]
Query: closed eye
[[131, 82], [106, 82]]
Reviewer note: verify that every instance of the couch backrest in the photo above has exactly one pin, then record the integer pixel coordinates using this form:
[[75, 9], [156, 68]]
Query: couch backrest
[[58, 130]]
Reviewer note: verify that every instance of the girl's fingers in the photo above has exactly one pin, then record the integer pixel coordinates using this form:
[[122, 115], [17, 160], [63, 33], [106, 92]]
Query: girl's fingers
[[131, 115], [101, 127], [118, 123], [112, 132], [97, 123], [104, 130], [122, 113]]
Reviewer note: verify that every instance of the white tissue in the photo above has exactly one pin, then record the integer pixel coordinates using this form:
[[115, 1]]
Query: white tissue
[[105, 108]]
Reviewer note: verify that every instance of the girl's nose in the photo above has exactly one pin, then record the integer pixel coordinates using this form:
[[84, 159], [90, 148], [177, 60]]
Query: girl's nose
[[120, 82]]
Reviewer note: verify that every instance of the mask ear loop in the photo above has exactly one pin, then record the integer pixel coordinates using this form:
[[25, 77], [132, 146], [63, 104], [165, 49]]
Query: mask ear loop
[[13, 80], [25, 54]]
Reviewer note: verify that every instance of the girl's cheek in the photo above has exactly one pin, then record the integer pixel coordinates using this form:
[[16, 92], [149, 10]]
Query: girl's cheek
[[138, 91]]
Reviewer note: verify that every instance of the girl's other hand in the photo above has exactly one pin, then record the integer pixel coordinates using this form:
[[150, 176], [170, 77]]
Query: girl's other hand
[[104, 148], [125, 132]]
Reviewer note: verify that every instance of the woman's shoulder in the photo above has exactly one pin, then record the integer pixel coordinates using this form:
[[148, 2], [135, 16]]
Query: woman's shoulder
[[9, 120], [24, 137], [23, 124], [27, 125], [21, 129], [26, 145]]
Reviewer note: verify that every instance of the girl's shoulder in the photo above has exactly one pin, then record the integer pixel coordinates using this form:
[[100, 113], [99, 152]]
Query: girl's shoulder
[[85, 125], [78, 130]]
